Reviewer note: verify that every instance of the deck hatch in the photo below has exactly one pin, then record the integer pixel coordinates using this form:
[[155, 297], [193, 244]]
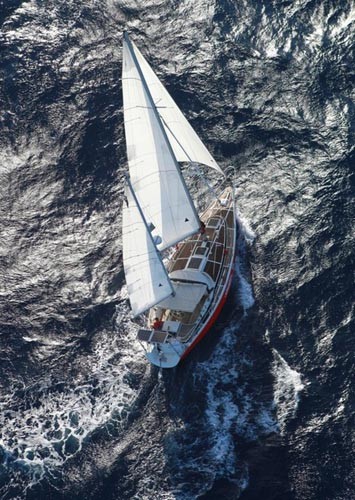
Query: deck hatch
[[194, 263], [201, 251], [214, 222]]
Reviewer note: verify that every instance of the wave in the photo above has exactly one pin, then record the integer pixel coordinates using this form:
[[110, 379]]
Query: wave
[[287, 388], [48, 422]]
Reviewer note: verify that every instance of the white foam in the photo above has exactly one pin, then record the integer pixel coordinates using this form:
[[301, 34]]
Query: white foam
[[245, 289], [52, 416], [223, 413], [245, 228], [30, 339], [287, 387], [266, 421], [230, 409], [223, 416]]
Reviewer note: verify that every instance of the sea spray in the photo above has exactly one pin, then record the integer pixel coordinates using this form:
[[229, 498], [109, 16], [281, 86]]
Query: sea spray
[[245, 228], [287, 387], [245, 289]]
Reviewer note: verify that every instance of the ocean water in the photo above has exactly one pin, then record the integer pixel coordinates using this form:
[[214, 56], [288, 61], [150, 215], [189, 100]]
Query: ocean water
[[263, 408]]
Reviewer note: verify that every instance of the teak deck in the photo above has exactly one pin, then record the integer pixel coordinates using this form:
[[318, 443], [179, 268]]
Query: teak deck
[[212, 253]]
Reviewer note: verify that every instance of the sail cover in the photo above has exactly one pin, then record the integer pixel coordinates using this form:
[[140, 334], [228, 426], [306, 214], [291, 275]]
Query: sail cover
[[146, 278], [159, 187], [185, 142]]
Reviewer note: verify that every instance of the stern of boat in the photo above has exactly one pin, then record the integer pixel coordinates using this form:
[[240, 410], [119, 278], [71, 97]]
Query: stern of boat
[[165, 350], [164, 355]]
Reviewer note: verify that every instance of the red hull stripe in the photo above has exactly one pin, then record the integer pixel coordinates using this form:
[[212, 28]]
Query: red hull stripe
[[212, 319]]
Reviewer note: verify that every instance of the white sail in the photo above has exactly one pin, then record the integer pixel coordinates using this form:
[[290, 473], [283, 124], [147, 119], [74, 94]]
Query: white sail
[[146, 277], [186, 144], [154, 173]]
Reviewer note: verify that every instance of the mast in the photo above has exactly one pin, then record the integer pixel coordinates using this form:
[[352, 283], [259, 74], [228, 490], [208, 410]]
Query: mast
[[159, 121]]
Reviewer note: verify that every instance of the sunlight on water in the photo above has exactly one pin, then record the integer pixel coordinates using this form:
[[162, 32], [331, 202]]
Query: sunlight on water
[[268, 87]]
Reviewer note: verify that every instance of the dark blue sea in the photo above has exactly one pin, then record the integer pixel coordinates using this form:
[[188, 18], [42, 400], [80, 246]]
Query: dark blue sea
[[263, 408]]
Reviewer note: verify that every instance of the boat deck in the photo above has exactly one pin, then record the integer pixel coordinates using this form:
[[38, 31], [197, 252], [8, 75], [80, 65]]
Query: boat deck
[[211, 253]]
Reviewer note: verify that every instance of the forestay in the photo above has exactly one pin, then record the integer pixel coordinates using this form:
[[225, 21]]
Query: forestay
[[146, 278], [185, 142], [154, 174]]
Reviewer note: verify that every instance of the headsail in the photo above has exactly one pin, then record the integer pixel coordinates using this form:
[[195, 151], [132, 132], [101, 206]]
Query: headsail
[[185, 142], [154, 171], [146, 277]]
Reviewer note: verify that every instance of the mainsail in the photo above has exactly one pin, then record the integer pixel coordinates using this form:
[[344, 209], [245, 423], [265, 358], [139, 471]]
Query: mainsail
[[186, 144], [154, 171], [146, 277]]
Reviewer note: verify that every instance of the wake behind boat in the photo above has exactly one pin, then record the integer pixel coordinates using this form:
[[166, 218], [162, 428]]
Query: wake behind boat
[[184, 293]]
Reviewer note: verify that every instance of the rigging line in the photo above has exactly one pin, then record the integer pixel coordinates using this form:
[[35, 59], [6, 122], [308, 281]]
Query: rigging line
[[137, 106], [149, 174], [172, 133], [194, 164]]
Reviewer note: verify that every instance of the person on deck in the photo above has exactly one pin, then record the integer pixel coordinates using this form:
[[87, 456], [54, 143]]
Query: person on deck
[[157, 324], [202, 227], [203, 230]]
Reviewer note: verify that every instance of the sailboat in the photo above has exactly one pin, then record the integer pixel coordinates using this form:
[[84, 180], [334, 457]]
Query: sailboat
[[178, 264]]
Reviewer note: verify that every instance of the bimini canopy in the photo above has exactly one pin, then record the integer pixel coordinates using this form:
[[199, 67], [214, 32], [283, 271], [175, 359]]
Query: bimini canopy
[[186, 298]]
